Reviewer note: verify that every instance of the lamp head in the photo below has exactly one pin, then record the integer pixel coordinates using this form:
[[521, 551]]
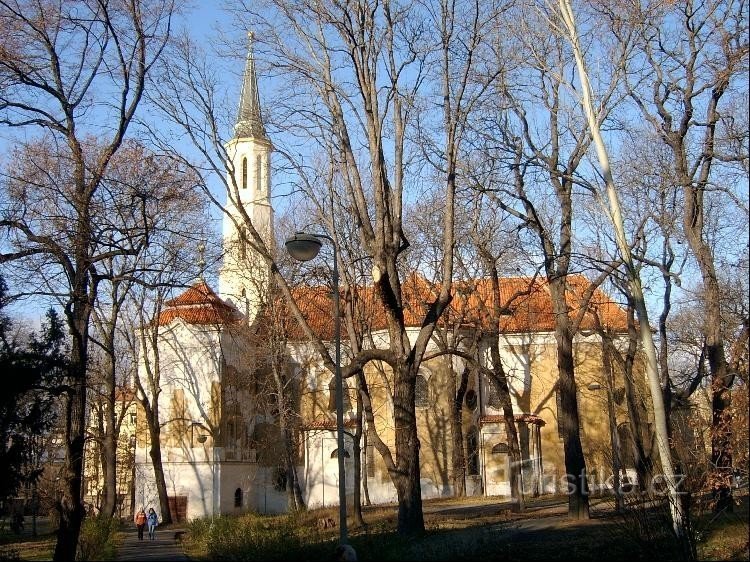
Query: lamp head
[[303, 247]]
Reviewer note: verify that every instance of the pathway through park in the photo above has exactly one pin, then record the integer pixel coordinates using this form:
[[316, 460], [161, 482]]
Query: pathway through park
[[164, 547]]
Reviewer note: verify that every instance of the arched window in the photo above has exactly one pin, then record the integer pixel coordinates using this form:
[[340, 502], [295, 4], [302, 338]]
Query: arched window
[[238, 497], [335, 454], [500, 448], [244, 173], [472, 452], [332, 396], [493, 396], [258, 174], [421, 391]]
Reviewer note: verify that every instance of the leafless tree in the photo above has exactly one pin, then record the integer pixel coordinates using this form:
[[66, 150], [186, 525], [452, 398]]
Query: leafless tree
[[689, 70], [53, 59]]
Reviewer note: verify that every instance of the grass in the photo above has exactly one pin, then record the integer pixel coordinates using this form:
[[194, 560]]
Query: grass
[[39, 548], [477, 529], [473, 530], [725, 537], [97, 542]]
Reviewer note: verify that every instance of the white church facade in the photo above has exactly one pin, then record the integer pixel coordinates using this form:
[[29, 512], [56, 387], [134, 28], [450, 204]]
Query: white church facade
[[222, 447]]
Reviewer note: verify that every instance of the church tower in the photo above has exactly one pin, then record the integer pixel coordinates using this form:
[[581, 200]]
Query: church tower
[[244, 276]]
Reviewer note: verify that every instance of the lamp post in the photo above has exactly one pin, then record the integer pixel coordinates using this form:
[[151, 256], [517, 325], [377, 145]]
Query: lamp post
[[304, 247]]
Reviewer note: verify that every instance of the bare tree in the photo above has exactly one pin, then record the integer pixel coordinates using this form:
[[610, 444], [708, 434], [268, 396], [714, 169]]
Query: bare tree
[[322, 51], [52, 63], [691, 58]]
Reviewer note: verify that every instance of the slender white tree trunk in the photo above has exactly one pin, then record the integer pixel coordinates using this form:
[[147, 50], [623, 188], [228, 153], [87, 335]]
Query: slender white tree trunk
[[615, 212]]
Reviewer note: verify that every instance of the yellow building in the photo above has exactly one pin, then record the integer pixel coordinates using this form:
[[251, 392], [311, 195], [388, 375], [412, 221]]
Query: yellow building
[[529, 356]]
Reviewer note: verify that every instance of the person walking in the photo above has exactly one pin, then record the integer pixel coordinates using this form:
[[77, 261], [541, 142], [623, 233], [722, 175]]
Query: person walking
[[140, 523], [153, 521]]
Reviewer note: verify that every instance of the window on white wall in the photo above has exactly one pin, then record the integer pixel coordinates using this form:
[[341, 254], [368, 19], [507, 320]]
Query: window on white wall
[[421, 398], [493, 395]]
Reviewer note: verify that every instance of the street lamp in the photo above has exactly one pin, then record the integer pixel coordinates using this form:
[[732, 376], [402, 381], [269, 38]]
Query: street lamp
[[305, 247]]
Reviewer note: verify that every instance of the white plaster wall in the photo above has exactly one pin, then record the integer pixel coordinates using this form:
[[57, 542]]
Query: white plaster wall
[[183, 479], [190, 359], [320, 474]]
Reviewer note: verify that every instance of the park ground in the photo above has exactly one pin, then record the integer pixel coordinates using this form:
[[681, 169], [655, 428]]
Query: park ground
[[457, 529]]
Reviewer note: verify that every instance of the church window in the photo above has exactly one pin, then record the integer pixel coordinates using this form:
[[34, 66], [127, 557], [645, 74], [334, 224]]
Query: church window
[[472, 452], [258, 174], [238, 497], [421, 392], [244, 173], [335, 454], [332, 396], [493, 396]]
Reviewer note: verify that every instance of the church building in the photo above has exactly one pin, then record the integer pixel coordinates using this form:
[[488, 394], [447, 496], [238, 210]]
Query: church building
[[221, 442]]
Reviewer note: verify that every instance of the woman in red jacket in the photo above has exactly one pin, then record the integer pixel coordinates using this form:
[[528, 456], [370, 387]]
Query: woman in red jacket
[[140, 523]]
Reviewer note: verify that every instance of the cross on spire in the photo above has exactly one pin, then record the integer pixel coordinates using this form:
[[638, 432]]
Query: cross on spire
[[249, 122]]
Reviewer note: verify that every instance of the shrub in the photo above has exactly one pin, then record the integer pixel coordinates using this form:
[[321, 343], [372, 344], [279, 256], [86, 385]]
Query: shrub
[[97, 539], [249, 537]]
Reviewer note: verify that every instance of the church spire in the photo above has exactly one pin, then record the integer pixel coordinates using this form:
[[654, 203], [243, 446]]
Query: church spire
[[249, 122]]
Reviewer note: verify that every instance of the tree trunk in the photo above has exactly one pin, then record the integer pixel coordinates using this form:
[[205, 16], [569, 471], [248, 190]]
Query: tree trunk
[[407, 476], [159, 478], [71, 508], [357, 453], [295, 500], [369, 459], [569, 423], [636, 412], [109, 442], [458, 458], [614, 438], [721, 378]]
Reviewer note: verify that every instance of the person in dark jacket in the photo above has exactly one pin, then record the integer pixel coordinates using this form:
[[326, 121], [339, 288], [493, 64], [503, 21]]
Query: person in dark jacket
[[153, 521]]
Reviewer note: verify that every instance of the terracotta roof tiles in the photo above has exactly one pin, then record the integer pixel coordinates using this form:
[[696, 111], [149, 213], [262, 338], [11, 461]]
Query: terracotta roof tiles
[[200, 305], [526, 301]]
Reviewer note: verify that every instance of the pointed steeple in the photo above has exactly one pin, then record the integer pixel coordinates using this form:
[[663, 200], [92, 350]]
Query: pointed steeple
[[249, 122]]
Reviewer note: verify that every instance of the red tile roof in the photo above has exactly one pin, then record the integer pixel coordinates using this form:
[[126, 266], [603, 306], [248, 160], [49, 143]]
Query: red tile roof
[[528, 303], [198, 305]]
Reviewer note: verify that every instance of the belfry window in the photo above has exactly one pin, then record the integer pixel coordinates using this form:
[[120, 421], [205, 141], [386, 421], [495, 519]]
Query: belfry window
[[238, 497], [244, 173], [258, 174]]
